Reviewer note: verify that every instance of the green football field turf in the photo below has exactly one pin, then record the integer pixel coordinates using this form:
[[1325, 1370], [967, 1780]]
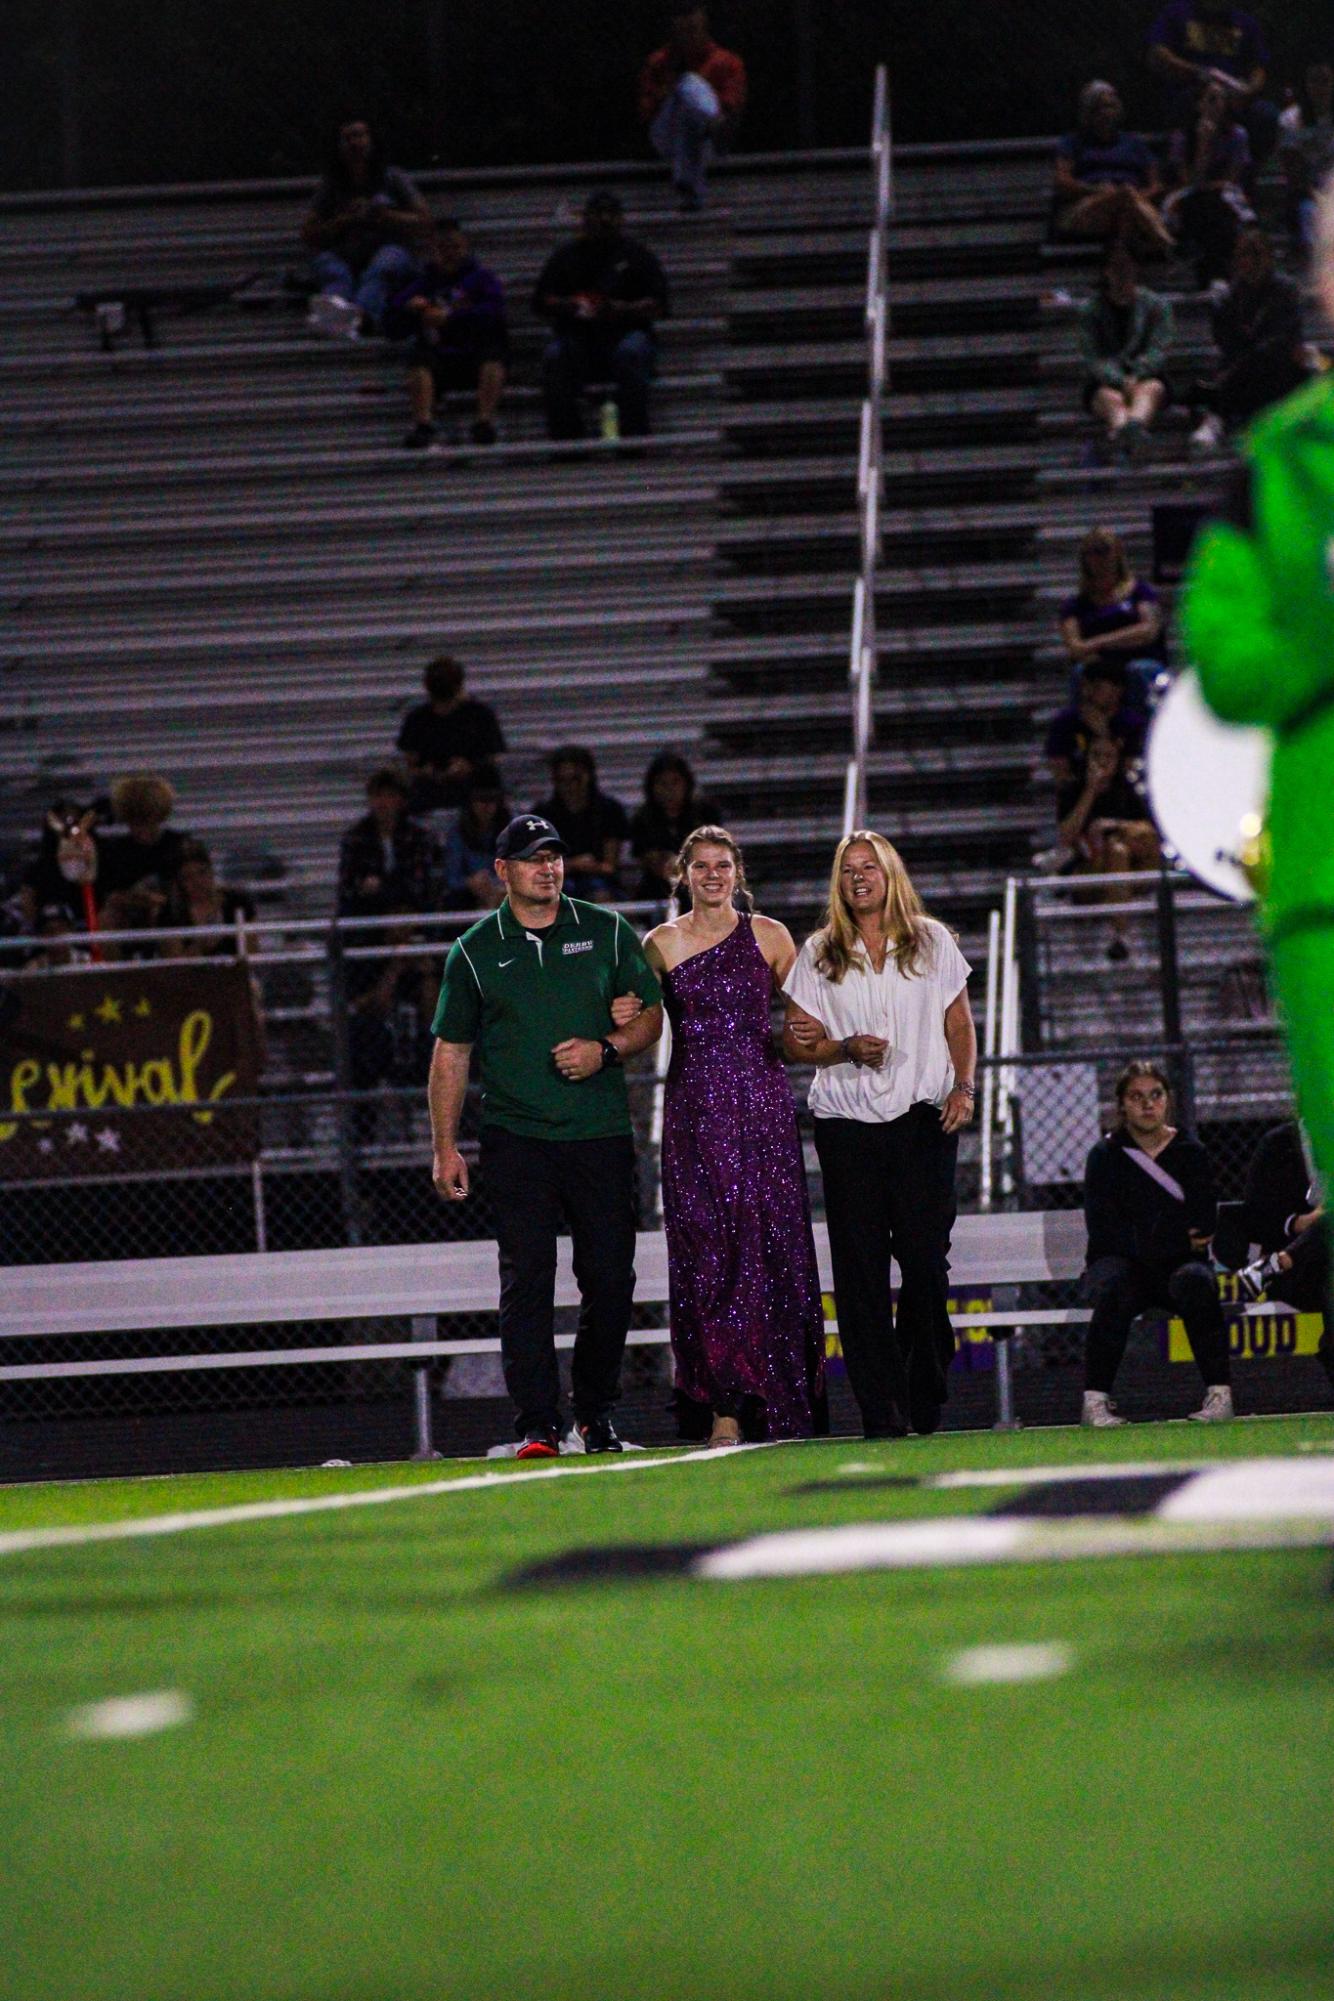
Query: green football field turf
[[397, 1776]]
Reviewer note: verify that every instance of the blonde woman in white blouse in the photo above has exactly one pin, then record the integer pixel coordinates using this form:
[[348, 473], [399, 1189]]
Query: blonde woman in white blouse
[[878, 1002]]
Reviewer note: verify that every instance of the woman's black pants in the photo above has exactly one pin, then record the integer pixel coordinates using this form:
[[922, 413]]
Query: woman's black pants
[[889, 1193], [1119, 1289]]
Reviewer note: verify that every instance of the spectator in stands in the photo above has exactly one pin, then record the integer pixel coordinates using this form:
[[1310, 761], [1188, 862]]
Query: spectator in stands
[[456, 313], [603, 294], [446, 737], [470, 881], [671, 810], [592, 825], [65, 944], [1114, 616], [1150, 1208], [1209, 164], [1095, 749], [138, 855], [387, 862], [1197, 42], [692, 93], [1107, 181], [1306, 149], [1257, 329], [365, 229], [389, 1003], [1282, 1213], [197, 897], [1125, 333]]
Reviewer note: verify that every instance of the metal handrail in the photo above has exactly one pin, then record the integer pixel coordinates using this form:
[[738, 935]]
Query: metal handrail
[[863, 654]]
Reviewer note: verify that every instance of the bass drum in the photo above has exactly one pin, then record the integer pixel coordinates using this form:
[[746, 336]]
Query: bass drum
[[1208, 783]]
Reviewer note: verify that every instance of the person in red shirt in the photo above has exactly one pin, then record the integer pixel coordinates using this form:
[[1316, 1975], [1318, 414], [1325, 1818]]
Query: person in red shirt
[[692, 93]]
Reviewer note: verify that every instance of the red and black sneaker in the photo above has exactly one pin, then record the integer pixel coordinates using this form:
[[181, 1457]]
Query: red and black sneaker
[[539, 1445]]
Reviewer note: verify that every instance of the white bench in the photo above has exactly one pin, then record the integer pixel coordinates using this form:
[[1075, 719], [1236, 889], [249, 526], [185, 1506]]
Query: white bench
[[419, 1282]]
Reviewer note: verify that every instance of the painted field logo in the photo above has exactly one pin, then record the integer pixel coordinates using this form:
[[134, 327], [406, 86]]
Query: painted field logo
[[580, 945]]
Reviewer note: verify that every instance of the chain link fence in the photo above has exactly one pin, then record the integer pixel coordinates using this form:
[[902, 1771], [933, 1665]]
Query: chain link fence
[[330, 1147]]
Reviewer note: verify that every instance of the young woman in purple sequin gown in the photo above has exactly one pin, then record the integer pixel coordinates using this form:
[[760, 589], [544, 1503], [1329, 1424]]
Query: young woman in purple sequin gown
[[746, 1313]]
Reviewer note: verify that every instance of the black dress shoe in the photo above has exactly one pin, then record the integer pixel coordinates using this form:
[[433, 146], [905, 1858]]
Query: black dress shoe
[[599, 1435]]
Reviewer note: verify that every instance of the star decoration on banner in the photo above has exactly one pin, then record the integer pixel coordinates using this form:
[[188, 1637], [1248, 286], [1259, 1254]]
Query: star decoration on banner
[[77, 1021], [143, 1007], [76, 1134], [109, 1140], [46, 1146], [109, 1010]]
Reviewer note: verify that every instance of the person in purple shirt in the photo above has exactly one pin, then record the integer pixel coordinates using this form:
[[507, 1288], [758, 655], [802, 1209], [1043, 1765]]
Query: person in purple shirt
[[1209, 164], [456, 310], [1113, 616], [1095, 750], [1196, 42], [1106, 178]]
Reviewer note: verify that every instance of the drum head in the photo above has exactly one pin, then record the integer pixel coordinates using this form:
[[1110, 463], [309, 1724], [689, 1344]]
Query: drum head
[[1208, 783]]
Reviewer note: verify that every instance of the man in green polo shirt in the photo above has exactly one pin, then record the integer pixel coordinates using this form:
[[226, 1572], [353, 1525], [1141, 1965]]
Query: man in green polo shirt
[[532, 984]]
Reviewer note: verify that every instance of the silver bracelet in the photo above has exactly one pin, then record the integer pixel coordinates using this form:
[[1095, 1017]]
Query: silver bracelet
[[969, 1090]]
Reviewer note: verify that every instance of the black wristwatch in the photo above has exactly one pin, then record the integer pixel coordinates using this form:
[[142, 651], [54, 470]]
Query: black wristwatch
[[611, 1055]]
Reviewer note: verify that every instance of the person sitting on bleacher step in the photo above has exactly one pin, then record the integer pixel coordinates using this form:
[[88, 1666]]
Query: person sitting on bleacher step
[[603, 294], [1125, 332], [365, 227], [456, 311]]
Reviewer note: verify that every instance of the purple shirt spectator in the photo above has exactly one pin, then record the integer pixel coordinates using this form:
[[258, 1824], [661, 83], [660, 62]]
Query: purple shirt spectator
[[1222, 38], [1128, 610], [1124, 161], [1069, 737]]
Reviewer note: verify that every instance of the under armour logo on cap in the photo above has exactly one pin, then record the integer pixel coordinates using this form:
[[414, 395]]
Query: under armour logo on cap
[[526, 836]]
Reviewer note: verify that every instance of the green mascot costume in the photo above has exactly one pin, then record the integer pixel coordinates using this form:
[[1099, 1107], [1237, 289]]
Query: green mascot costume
[[1259, 625]]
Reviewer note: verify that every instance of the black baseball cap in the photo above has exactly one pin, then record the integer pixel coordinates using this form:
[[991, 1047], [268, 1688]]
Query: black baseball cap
[[526, 836]]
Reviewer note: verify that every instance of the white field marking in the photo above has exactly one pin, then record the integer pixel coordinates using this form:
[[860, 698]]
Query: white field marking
[[15, 1542], [969, 1540], [1034, 1476], [859, 1466], [866, 1546], [974, 1667], [1254, 1490], [131, 1715]]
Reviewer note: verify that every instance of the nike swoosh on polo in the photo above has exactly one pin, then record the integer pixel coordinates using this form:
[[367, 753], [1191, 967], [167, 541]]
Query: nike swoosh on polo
[[504, 962]]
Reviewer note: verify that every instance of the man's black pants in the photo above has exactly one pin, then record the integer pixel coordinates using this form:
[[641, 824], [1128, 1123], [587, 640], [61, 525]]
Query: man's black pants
[[539, 1188], [889, 1192], [1119, 1289]]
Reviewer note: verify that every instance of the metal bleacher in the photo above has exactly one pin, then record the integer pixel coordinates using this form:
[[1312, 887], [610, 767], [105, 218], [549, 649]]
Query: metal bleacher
[[216, 560]]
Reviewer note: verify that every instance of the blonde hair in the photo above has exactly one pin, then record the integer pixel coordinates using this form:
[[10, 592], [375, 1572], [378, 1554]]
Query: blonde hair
[[1103, 538], [838, 942], [708, 837], [142, 795]]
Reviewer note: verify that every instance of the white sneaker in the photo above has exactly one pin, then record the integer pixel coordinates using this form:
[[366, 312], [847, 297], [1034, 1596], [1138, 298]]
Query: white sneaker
[[1208, 436], [337, 317], [1100, 1411], [1216, 1408]]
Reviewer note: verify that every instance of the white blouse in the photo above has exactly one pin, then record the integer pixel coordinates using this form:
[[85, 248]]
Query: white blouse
[[907, 1010]]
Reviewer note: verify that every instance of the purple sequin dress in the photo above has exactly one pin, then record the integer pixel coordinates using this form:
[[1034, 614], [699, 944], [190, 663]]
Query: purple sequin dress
[[747, 1319]]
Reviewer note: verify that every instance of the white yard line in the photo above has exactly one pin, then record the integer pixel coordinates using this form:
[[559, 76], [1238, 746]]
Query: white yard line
[[16, 1541]]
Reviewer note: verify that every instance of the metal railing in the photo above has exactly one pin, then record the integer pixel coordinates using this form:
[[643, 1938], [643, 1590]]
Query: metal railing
[[862, 656], [1190, 981]]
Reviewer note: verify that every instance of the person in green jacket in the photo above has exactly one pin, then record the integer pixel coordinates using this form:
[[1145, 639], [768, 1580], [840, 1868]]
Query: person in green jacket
[[1259, 625], [1125, 332]]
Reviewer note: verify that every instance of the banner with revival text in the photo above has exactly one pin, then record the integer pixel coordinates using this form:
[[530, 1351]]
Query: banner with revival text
[[95, 1046]]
